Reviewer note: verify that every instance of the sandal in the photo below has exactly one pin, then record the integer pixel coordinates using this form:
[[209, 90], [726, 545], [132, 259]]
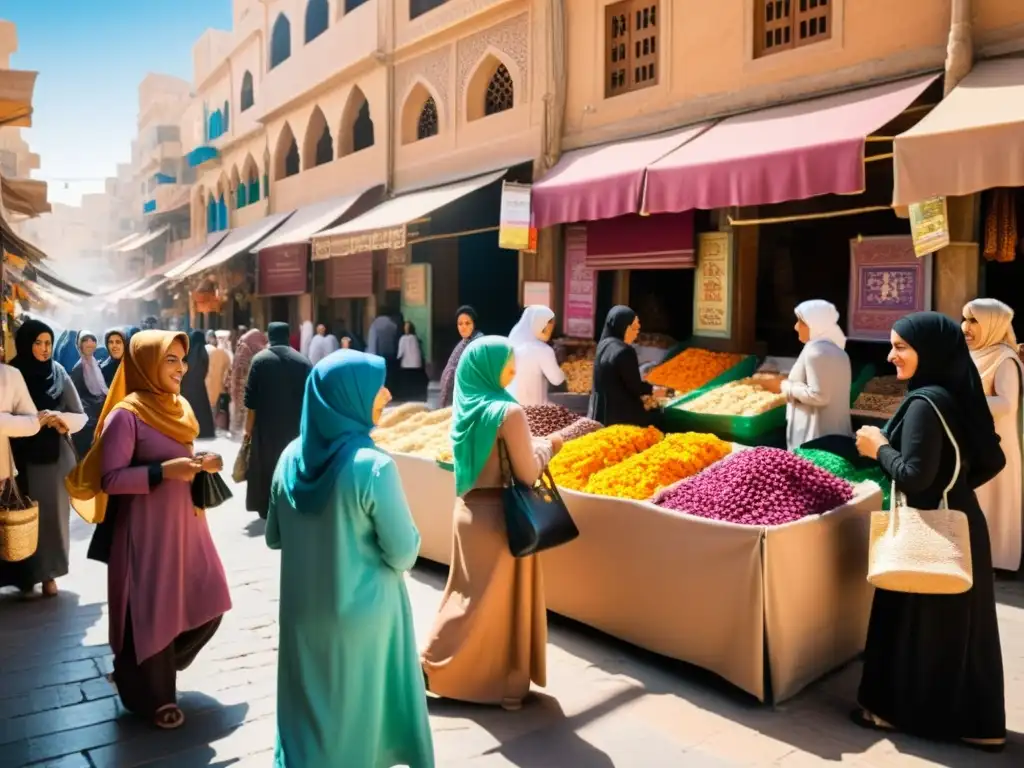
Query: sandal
[[865, 719], [169, 717], [992, 746], [50, 588]]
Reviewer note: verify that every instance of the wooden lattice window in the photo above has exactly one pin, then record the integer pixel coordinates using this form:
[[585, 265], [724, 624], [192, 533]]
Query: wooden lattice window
[[500, 92], [631, 46], [782, 25], [427, 124]]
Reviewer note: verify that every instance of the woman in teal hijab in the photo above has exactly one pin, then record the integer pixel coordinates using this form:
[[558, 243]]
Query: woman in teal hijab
[[350, 691], [490, 636]]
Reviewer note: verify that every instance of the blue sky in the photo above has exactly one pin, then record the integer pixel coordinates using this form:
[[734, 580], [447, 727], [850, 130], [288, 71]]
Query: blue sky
[[91, 56]]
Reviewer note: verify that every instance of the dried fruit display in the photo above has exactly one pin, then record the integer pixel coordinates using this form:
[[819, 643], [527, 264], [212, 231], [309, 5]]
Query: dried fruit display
[[745, 397], [393, 416], [651, 402], [579, 428], [421, 434], [410, 424], [654, 340], [882, 405], [545, 419], [676, 457], [840, 467], [886, 385], [582, 457], [760, 486], [579, 376], [692, 368]]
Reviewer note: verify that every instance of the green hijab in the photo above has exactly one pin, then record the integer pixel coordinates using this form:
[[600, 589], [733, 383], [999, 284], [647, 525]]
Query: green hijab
[[479, 407]]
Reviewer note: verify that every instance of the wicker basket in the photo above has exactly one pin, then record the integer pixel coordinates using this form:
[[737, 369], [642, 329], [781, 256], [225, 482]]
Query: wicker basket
[[19, 533]]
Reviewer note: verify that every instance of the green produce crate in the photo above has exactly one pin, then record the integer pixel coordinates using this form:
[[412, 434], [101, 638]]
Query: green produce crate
[[745, 368], [747, 430], [866, 374], [446, 465]]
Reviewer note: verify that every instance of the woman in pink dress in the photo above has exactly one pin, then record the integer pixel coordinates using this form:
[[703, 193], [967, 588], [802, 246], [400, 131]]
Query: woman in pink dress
[[249, 344], [166, 585]]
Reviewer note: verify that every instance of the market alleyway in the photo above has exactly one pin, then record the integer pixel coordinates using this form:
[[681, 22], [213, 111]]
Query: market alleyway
[[607, 704]]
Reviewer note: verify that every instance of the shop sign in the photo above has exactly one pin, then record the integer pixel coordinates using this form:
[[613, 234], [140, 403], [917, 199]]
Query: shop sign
[[283, 271], [712, 289], [361, 242], [536, 293], [514, 219], [887, 281], [580, 301], [350, 277], [414, 285], [929, 225], [397, 259]]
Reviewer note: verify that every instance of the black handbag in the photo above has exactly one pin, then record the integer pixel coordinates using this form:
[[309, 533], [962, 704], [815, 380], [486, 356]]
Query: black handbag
[[536, 518], [209, 490]]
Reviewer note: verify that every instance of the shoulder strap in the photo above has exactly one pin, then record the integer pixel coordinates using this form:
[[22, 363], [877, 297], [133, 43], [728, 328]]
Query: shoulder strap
[[956, 448]]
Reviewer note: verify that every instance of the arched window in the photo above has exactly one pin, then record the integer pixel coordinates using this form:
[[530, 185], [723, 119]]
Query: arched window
[[291, 160], [211, 216], [242, 195], [500, 92], [351, 5], [427, 125], [280, 41], [317, 15], [222, 214], [362, 129], [227, 117], [245, 99], [324, 147]]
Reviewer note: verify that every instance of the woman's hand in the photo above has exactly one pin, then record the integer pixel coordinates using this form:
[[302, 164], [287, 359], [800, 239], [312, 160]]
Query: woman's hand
[[184, 469], [48, 419], [771, 384], [869, 441], [556, 443], [211, 462]]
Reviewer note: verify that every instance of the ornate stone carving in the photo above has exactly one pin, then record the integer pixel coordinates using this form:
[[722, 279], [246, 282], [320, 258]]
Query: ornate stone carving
[[435, 68], [511, 37]]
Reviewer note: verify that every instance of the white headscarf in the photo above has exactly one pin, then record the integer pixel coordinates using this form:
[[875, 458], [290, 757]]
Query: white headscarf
[[305, 337], [91, 373], [995, 341], [534, 318], [822, 320]]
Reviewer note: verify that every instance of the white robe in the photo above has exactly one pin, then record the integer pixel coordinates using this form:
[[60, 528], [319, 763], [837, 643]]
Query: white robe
[[536, 365], [18, 415]]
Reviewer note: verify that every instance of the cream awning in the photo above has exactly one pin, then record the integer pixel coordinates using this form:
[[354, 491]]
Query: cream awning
[[973, 140], [142, 240], [25, 196], [238, 241], [16, 89], [309, 220], [384, 227]]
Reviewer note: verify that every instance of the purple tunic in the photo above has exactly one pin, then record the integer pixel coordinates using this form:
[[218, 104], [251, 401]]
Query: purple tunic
[[163, 556]]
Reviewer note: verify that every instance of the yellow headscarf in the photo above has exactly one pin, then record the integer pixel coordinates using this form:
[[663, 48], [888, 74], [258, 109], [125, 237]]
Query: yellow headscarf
[[136, 389]]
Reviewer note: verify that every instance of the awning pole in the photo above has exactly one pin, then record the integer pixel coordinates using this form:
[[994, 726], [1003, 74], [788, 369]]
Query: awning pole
[[465, 233], [808, 216]]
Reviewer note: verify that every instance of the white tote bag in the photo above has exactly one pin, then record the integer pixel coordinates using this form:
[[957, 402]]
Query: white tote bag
[[922, 551]]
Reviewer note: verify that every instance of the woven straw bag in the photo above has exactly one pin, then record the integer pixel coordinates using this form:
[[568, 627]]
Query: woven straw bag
[[19, 525], [921, 551]]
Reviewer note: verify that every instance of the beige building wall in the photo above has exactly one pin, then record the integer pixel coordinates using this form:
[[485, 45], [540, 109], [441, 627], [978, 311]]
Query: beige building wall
[[702, 74]]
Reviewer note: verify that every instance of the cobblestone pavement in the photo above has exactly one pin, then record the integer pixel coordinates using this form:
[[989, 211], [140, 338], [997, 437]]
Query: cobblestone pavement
[[607, 704]]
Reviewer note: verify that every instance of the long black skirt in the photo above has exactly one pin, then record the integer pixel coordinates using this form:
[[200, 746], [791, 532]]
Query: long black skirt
[[932, 663]]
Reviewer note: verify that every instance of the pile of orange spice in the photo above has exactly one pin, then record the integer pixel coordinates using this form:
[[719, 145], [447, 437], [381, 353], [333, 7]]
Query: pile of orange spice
[[580, 458], [675, 458], [692, 368]]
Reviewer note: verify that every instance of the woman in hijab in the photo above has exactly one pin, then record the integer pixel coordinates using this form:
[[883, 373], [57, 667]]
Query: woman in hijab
[[618, 390], [249, 343], [43, 459], [818, 388], [193, 387], [166, 587], [340, 518], [273, 400], [535, 359], [932, 663], [116, 342], [988, 330], [65, 350], [91, 387], [490, 635], [466, 322]]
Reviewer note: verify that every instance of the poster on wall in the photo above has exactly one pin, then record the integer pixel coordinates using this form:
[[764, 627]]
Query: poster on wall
[[712, 290], [514, 219], [580, 302], [535, 292], [887, 280], [414, 285], [929, 225], [283, 271]]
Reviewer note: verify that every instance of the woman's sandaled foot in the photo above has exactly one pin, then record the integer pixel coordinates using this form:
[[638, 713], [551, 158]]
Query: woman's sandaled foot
[[169, 717], [986, 745], [865, 719], [50, 588]]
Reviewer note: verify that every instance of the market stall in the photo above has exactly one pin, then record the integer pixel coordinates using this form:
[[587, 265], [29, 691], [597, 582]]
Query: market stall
[[770, 608]]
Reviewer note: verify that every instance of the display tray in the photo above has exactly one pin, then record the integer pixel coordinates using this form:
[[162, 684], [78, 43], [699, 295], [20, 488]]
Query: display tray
[[750, 430], [787, 604]]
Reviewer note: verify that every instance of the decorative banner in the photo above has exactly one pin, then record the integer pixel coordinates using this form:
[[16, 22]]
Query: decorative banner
[[361, 242], [580, 301], [514, 220], [283, 271], [536, 293], [414, 285], [712, 288], [929, 225], [887, 281]]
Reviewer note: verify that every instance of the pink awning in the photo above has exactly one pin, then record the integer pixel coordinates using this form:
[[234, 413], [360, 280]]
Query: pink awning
[[789, 152], [602, 182]]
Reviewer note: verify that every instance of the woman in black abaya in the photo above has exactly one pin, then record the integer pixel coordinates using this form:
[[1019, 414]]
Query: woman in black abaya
[[617, 394], [932, 664], [193, 386]]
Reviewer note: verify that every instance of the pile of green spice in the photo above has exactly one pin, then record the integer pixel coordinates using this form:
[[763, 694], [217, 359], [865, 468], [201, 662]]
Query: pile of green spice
[[841, 467]]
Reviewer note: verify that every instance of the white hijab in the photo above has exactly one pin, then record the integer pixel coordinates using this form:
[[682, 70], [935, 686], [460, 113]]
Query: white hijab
[[534, 318], [91, 373], [822, 320], [305, 337], [995, 341]]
